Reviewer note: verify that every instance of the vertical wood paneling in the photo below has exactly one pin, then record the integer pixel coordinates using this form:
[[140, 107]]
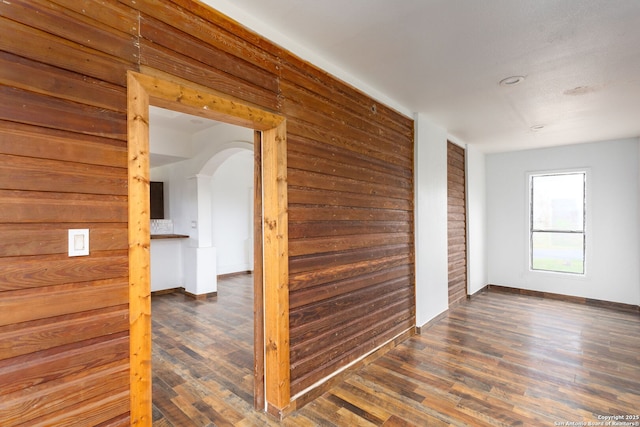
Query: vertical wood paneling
[[347, 209], [457, 223]]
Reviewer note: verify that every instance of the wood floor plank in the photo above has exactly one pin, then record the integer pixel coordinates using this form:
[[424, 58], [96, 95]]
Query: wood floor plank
[[345, 397], [499, 359], [395, 421]]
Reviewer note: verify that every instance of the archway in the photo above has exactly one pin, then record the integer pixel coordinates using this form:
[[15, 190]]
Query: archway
[[231, 184]]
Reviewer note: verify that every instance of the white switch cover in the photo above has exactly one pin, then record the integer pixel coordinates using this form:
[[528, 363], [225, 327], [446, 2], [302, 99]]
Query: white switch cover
[[79, 242]]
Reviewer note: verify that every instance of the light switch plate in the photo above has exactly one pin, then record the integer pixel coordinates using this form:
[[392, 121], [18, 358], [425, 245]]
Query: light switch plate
[[79, 242]]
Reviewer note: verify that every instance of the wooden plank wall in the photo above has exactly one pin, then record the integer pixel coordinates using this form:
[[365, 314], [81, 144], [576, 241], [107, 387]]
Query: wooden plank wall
[[457, 223], [350, 223], [64, 346], [63, 321]]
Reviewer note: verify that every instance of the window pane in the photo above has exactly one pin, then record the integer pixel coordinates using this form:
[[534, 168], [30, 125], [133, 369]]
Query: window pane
[[558, 202], [563, 252]]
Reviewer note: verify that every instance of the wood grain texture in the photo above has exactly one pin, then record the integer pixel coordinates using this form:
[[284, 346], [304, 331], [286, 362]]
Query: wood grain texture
[[456, 223], [50, 207], [200, 100], [276, 267], [46, 111], [43, 334], [259, 398], [111, 14], [139, 257], [62, 299], [176, 92], [50, 238], [189, 69], [45, 79], [75, 26], [44, 143], [321, 83], [351, 224], [24, 173], [344, 182], [496, 359], [30, 42], [187, 335], [213, 29], [64, 324], [344, 207], [171, 38]]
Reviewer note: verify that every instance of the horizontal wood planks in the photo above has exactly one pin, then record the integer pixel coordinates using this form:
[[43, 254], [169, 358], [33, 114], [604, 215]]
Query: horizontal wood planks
[[457, 223], [64, 328], [350, 223], [185, 45], [350, 187], [63, 164]]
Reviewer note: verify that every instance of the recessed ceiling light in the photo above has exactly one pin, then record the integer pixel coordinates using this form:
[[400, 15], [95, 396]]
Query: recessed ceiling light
[[536, 128], [511, 81]]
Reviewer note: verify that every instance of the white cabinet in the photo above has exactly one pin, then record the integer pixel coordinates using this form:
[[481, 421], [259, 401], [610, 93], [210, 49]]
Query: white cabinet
[[166, 262]]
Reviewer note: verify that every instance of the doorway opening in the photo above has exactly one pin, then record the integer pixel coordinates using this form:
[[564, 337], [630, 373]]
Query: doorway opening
[[201, 267], [271, 336]]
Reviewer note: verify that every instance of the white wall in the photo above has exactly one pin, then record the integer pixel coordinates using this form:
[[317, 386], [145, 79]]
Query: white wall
[[613, 272], [232, 209], [189, 197], [432, 297], [168, 142], [476, 221]]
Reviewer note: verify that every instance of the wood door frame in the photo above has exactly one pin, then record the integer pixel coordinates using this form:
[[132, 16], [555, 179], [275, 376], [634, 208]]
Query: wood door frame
[[271, 306]]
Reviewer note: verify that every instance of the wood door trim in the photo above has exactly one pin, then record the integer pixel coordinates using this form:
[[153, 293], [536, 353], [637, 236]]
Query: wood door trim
[[174, 93], [258, 291]]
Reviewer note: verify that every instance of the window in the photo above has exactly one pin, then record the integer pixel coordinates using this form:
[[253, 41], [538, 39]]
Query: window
[[557, 224]]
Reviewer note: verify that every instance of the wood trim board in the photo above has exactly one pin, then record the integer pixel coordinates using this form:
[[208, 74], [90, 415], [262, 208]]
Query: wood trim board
[[163, 90]]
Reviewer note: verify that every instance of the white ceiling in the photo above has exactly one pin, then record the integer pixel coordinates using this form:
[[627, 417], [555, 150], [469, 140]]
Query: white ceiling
[[444, 59], [180, 122], [163, 120]]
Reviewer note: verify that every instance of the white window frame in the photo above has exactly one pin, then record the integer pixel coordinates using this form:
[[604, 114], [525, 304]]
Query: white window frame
[[586, 222]]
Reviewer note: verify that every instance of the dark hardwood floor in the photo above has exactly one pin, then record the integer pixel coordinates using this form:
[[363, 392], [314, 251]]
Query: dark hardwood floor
[[497, 360]]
